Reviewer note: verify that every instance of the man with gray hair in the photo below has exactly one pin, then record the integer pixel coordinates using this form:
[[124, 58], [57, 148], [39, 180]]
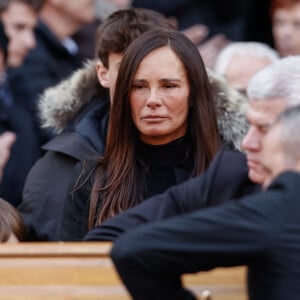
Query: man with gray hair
[[270, 92], [239, 61]]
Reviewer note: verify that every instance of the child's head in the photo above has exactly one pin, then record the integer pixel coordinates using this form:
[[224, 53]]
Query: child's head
[[11, 223], [115, 35]]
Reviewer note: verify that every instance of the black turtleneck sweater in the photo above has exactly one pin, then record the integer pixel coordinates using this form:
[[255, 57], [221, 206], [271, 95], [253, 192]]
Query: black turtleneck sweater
[[165, 165]]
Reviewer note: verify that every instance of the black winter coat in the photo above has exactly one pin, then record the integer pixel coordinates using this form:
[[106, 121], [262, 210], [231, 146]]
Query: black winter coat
[[42, 204]]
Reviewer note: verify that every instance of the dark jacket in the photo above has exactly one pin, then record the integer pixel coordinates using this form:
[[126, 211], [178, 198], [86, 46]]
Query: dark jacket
[[81, 121], [46, 65], [24, 153], [261, 231], [225, 179]]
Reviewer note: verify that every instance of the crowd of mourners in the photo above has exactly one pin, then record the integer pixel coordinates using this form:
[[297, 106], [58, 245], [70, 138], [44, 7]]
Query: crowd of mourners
[[169, 128]]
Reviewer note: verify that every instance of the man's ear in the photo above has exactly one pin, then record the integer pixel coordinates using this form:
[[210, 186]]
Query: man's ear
[[102, 74]]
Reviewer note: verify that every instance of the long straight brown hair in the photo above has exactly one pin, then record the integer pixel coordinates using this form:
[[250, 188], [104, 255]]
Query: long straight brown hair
[[118, 180]]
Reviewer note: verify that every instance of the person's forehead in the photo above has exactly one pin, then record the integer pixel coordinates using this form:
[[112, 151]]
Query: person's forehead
[[242, 68], [288, 11], [21, 12]]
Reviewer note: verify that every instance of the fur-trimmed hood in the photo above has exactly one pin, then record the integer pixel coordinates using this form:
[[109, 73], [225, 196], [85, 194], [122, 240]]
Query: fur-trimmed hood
[[60, 104], [231, 109]]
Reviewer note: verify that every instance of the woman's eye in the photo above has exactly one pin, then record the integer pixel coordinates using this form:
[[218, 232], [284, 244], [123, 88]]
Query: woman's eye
[[169, 85], [138, 86]]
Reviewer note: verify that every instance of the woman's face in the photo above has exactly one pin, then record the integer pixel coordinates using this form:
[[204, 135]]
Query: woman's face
[[159, 97]]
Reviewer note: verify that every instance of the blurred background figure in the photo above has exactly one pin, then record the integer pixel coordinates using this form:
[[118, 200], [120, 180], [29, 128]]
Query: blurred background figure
[[239, 61], [286, 26], [16, 39], [19, 19], [55, 55]]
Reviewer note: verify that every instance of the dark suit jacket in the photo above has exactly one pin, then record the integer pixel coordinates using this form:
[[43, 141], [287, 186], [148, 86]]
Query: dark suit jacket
[[261, 231], [226, 178]]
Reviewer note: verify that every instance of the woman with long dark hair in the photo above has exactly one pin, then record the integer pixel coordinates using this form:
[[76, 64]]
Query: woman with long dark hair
[[162, 131]]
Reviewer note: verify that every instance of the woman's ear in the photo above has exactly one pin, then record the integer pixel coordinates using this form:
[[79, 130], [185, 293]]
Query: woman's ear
[[102, 74]]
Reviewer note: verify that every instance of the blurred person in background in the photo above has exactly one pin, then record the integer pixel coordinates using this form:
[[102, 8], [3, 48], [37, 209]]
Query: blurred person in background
[[16, 124], [239, 61], [286, 26], [19, 18], [55, 55]]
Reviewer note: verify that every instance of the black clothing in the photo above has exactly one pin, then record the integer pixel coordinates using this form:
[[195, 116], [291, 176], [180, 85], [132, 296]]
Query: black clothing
[[161, 173], [42, 204], [160, 162], [226, 178], [261, 231]]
